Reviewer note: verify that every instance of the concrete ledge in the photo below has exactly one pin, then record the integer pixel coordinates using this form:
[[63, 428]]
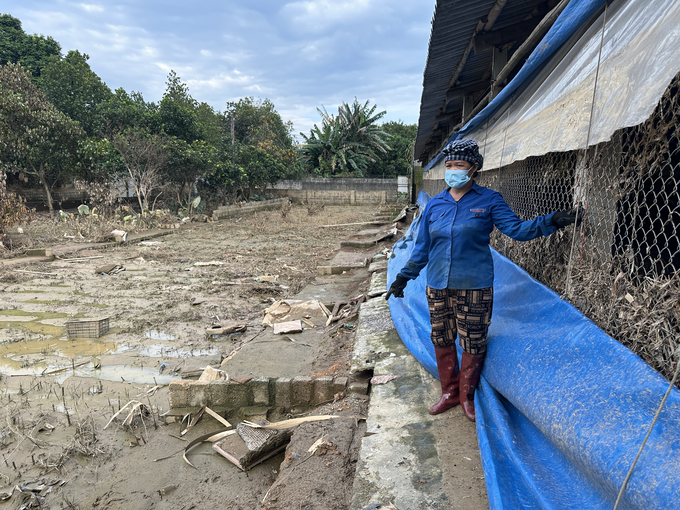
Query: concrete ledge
[[378, 267], [378, 284], [327, 270], [408, 457], [40, 252], [376, 336], [399, 461], [407, 472]]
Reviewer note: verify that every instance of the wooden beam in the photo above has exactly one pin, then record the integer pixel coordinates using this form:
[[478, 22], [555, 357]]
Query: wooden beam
[[445, 116], [457, 93], [483, 24], [517, 32]]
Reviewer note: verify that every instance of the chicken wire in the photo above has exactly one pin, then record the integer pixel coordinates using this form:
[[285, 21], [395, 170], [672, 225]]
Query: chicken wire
[[621, 267]]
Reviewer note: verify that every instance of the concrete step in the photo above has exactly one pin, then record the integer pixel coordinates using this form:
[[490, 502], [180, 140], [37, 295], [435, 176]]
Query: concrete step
[[343, 261], [358, 243], [362, 239]]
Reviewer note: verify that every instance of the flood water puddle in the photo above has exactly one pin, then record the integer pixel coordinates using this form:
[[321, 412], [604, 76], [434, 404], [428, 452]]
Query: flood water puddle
[[29, 357], [163, 351], [122, 373], [158, 335]]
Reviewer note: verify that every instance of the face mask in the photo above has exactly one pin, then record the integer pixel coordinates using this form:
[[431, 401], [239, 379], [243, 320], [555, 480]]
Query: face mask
[[456, 178]]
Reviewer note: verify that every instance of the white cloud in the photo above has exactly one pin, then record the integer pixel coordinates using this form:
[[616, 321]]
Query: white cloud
[[206, 53], [92, 8], [320, 14], [148, 51], [220, 80]]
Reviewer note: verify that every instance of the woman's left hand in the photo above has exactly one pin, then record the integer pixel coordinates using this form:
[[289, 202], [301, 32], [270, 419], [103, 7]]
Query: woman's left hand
[[562, 219]]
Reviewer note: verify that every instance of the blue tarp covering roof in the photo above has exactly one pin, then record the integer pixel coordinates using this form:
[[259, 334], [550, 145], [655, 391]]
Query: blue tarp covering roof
[[572, 18], [562, 408]]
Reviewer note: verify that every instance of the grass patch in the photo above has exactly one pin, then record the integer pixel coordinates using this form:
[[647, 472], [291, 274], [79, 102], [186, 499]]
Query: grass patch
[[40, 315]]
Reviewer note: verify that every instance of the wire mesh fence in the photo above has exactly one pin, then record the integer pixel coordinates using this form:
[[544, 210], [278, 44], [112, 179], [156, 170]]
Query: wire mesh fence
[[621, 268]]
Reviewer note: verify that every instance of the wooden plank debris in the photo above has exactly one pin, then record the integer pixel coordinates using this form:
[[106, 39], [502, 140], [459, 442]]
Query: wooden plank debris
[[193, 420], [376, 222], [36, 272], [286, 424], [226, 328], [210, 437], [109, 269], [213, 374], [218, 417], [288, 327]]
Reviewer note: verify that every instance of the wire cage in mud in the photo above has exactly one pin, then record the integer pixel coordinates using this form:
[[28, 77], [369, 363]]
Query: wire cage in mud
[[87, 328], [622, 266]]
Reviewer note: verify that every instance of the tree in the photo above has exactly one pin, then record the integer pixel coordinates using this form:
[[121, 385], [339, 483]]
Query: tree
[[256, 122], [99, 161], [345, 144], [122, 111], [397, 160], [186, 162], [144, 159], [258, 167], [324, 149], [76, 90], [17, 47], [177, 111], [257, 145], [211, 124], [35, 137], [12, 209]]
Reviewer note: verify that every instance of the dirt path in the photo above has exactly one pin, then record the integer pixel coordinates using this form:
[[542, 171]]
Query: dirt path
[[55, 402]]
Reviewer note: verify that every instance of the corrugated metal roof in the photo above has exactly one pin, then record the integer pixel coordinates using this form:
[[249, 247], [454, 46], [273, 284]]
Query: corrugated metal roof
[[453, 24]]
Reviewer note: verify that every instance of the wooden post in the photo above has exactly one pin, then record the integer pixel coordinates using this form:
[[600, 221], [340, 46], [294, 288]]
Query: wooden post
[[498, 61], [468, 105]]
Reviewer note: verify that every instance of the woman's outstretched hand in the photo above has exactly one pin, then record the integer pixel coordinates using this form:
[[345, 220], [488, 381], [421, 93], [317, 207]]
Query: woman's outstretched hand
[[397, 287], [562, 219]]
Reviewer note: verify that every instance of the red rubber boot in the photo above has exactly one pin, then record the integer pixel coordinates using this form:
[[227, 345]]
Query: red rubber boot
[[470, 370], [447, 366]]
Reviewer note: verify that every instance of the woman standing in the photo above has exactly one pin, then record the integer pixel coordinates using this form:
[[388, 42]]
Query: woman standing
[[453, 242]]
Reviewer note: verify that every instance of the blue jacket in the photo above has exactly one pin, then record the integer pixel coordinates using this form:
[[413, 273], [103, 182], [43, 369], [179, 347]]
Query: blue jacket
[[453, 238]]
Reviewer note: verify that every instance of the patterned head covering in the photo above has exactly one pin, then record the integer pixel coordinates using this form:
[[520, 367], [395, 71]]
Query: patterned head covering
[[464, 150]]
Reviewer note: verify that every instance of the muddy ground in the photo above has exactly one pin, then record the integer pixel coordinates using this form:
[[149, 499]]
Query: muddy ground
[[58, 394]]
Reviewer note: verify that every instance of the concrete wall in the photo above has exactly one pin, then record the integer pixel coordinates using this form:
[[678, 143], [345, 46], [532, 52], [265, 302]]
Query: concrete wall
[[64, 197], [433, 186], [229, 211], [433, 179], [338, 191], [262, 394]]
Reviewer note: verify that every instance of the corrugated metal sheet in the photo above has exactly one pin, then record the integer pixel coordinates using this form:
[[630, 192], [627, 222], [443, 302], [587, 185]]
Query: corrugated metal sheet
[[453, 24]]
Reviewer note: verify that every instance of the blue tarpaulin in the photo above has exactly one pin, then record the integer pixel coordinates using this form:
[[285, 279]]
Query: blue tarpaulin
[[574, 15], [562, 408]]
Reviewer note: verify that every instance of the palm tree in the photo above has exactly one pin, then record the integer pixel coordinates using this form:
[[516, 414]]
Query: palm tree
[[345, 144]]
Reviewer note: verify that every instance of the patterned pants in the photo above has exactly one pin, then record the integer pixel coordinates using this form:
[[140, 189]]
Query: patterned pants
[[466, 312]]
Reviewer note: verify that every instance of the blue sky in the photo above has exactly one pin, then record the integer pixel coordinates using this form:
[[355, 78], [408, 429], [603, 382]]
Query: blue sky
[[301, 54]]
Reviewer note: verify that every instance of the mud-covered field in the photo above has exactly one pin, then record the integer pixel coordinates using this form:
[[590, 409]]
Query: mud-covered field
[[58, 394]]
